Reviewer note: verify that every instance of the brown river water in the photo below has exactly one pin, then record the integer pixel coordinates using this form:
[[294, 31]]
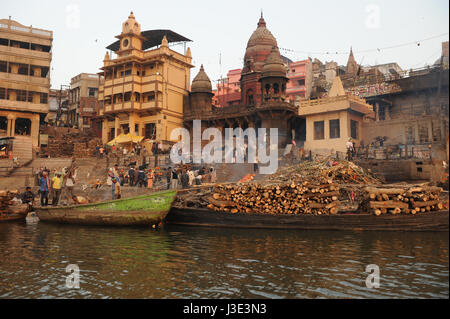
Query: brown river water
[[184, 262]]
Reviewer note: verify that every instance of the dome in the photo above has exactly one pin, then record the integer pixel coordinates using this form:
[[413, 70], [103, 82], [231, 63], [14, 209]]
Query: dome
[[201, 83], [131, 25], [258, 47], [274, 66], [262, 36]]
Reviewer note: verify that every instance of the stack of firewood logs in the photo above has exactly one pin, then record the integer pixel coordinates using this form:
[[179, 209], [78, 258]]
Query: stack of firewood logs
[[403, 200], [6, 200], [285, 198]]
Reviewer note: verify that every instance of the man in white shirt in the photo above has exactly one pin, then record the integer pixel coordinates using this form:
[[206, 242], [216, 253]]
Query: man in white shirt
[[350, 149]]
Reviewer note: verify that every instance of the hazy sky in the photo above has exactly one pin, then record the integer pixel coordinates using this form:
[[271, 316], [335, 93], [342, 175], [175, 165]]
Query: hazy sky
[[82, 29]]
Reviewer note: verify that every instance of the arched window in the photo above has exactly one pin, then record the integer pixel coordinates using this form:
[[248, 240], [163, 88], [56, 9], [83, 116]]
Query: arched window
[[267, 89], [250, 97], [276, 88]]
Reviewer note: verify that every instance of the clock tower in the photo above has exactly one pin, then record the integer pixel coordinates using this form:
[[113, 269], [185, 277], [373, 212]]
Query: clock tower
[[130, 38]]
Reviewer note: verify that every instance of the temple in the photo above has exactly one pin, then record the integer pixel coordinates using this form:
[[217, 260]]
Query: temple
[[264, 102]]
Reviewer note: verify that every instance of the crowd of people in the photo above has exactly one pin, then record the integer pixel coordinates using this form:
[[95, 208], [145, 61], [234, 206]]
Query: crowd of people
[[157, 178], [57, 185], [52, 187]]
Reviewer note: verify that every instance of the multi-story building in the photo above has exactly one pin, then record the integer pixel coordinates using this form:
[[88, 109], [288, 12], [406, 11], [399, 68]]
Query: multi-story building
[[25, 57], [144, 90], [58, 106], [83, 100], [300, 80], [228, 90]]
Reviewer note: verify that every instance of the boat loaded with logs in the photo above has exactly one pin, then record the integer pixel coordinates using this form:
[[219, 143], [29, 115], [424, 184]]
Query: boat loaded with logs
[[145, 210], [326, 195], [10, 211]]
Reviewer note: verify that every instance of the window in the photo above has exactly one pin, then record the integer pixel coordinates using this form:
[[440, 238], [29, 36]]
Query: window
[[335, 130], [21, 95], [301, 82], [2, 94], [3, 66], [85, 120], [30, 97], [43, 98], [93, 92], [354, 129], [319, 130], [150, 131]]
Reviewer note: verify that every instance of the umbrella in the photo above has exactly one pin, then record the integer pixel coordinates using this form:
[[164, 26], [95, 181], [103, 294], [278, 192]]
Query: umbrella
[[124, 139]]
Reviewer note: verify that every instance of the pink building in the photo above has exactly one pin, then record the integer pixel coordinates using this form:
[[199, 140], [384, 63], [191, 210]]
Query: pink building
[[228, 90], [300, 80], [300, 75]]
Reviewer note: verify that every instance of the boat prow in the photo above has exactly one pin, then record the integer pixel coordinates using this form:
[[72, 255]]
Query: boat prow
[[15, 212], [145, 210]]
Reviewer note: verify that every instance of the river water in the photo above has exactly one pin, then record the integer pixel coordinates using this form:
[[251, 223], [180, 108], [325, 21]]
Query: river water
[[184, 262]]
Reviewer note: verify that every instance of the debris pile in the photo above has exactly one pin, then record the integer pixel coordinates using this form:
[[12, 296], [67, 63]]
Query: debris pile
[[68, 144], [342, 172], [85, 149], [403, 200]]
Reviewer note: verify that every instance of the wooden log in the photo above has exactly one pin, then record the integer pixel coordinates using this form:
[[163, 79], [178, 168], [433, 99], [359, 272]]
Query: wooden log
[[388, 204], [425, 204], [220, 203], [387, 191]]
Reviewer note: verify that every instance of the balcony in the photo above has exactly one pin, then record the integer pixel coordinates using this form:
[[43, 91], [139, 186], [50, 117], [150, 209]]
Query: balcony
[[127, 106], [27, 54], [36, 80], [24, 106]]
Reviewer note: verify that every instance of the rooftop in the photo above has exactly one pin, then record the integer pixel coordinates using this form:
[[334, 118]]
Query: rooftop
[[153, 38]]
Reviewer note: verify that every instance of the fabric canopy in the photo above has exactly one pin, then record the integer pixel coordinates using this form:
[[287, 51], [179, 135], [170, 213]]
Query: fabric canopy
[[125, 138]]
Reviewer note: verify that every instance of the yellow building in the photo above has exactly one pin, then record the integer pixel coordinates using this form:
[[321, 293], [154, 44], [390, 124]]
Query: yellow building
[[143, 90], [25, 57], [331, 121]]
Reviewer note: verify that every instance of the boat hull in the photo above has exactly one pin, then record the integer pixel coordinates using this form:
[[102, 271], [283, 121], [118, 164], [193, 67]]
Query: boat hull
[[433, 221], [131, 218], [15, 213], [143, 210]]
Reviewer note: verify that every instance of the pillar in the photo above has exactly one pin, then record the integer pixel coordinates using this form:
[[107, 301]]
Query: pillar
[[387, 113], [377, 116], [131, 124], [430, 131], [105, 129], [34, 131], [116, 125]]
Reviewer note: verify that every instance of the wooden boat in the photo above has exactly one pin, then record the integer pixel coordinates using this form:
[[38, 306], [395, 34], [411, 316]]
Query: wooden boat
[[431, 221], [16, 212], [143, 210]]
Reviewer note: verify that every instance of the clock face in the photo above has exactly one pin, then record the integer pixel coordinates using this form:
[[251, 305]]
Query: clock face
[[125, 43]]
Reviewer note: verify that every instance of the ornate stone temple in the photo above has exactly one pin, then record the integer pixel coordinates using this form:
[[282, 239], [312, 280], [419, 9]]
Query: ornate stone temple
[[264, 102]]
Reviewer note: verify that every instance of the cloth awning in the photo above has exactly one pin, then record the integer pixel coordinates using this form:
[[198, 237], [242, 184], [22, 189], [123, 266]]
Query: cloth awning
[[124, 139]]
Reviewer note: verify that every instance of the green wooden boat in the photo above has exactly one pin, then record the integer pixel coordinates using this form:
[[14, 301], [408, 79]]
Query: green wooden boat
[[143, 210]]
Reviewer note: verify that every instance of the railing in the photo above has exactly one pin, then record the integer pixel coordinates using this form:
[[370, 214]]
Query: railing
[[392, 152], [26, 29]]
